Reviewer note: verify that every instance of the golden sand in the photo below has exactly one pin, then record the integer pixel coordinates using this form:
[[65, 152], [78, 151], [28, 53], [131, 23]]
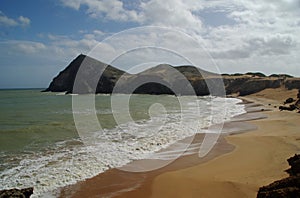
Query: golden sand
[[258, 159], [248, 161]]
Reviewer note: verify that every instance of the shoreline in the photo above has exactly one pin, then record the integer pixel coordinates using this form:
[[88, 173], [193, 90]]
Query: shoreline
[[259, 158], [117, 183], [238, 165]]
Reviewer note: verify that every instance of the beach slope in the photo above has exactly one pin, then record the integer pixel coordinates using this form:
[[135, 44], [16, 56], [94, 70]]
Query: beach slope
[[258, 159]]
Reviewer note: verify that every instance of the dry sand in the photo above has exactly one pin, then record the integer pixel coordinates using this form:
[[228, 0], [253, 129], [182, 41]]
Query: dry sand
[[237, 169], [258, 159]]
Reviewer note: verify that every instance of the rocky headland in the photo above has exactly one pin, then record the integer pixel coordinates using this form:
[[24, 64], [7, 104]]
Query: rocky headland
[[98, 77], [242, 169]]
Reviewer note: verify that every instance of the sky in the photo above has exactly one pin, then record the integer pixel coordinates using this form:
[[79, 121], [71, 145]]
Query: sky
[[38, 38]]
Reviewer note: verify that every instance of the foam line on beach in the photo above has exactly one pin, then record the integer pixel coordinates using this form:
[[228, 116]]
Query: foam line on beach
[[189, 154]]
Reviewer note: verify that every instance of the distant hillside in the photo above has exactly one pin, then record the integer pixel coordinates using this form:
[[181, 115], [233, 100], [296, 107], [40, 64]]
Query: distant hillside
[[161, 79], [64, 81]]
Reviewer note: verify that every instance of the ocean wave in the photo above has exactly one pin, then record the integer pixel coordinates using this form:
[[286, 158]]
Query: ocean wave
[[70, 161]]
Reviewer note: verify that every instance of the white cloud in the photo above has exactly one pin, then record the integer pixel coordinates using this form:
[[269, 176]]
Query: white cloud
[[264, 37], [273, 44], [24, 21], [104, 9], [261, 31], [99, 33], [75, 4], [254, 46], [151, 44], [170, 13], [58, 46], [27, 47], [6, 21]]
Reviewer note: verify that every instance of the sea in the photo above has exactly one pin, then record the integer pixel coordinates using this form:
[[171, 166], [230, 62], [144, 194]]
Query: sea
[[42, 144]]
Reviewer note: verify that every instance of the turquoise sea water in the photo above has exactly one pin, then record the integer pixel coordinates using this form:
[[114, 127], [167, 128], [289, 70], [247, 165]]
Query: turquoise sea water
[[41, 147]]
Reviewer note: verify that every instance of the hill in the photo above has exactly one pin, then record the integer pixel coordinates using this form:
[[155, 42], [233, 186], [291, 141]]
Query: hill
[[98, 77]]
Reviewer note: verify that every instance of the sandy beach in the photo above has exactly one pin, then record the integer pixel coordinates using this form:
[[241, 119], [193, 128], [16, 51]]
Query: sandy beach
[[258, 159], [250, 160]]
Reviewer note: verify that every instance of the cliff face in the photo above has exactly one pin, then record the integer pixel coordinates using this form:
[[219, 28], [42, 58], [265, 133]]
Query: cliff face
[[292, 84], [88, 81], [247, 85], [98, 77], [65, 79]]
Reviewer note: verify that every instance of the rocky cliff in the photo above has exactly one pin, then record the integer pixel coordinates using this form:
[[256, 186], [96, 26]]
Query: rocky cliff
[[97, 77], [89, 81]]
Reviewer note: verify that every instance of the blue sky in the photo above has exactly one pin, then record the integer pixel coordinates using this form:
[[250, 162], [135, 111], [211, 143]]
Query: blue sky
[[39, 38]]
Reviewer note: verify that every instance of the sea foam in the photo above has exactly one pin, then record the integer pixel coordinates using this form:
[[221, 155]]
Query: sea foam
[[70, 161]]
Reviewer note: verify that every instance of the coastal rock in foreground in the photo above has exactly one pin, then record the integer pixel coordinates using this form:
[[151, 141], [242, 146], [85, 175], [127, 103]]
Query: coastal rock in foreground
[[22, 193], [98, 77], [285, 188]]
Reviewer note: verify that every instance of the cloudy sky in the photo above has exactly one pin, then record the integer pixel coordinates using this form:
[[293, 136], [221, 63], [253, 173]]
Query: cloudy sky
[[38, 38]]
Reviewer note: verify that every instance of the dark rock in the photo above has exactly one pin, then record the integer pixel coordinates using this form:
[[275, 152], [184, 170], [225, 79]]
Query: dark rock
[[294, 162], [281, 75], [247, 85], [292, 84], [15, 193], [256, 74], [297, 104], [288, 187], [256, 85], [289, 100], [98, 77], [288, 192], [292, 107], [162, 79], [89, 80]]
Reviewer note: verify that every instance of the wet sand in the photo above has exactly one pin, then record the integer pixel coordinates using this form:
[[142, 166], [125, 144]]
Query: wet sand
[[236, 167], [258, 159], [118, 183]]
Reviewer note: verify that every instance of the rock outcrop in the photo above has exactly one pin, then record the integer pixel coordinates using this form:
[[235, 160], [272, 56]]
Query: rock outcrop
[[285, 188], [87, 75], [289, 100], [248, 85], [95, 77], [294, 104], [297, 103], [292, 83], [16, 193]]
